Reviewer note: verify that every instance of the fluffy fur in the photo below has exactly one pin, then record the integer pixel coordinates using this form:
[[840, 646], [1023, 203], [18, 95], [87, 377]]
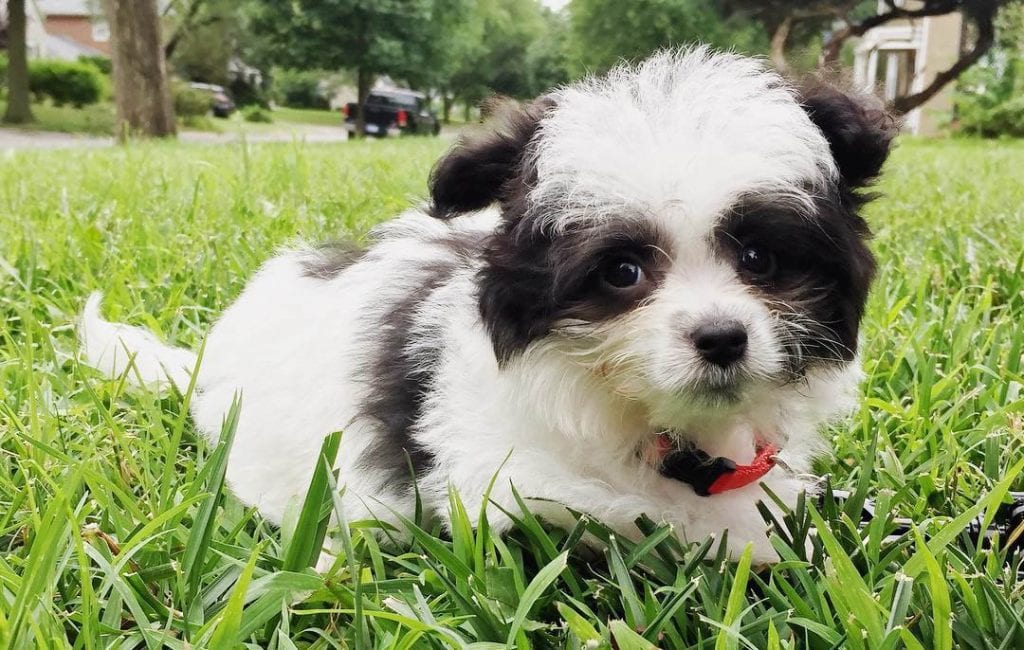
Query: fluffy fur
[[486, 332]]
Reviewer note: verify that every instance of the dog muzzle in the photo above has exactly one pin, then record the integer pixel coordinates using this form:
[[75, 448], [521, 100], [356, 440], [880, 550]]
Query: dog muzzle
[[709, 475]]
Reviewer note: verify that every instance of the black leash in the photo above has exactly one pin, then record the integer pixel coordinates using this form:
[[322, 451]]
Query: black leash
[[1007, 526]]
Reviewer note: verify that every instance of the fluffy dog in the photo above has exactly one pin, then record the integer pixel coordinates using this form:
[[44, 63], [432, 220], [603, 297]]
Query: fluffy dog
[[666, 260]]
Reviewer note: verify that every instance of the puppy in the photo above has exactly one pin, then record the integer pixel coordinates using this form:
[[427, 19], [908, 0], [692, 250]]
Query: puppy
[[632, 297]]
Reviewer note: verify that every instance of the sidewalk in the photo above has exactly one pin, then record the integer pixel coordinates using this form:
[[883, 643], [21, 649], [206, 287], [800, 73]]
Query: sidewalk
[[22, 139]]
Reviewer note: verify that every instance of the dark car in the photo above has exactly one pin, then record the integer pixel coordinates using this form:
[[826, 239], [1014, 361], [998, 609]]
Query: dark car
[[394, 112], [220, 101]]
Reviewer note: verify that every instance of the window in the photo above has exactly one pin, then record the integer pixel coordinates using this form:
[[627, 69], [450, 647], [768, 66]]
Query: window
[[897, 69], [100, 31]]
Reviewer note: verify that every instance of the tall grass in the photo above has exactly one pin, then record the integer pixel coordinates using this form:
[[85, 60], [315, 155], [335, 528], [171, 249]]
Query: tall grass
[[116, 529]]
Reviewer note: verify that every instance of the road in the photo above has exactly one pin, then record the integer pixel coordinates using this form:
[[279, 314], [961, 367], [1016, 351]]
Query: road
[[22, 139]]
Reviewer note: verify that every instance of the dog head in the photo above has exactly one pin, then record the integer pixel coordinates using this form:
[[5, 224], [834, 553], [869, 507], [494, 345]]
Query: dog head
[[687, 229]]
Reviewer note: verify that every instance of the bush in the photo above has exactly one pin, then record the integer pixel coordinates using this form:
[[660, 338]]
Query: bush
[[101, 63], [3, 70], [200, 123], [301, 89], [190, 102], [975, 116], [65, 82], [247, 94], [256, 114]]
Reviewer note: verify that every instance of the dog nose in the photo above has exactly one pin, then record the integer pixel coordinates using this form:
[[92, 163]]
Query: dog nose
[[721, 342]]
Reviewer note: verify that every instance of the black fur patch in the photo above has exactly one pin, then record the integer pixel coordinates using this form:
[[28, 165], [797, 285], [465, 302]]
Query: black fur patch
[[330, 259], [823, 273], [398, 385], [858, 128], [398, 375], [479, 170], [531, 280]]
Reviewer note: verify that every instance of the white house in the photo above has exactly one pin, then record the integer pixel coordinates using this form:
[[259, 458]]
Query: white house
[[903, 56]]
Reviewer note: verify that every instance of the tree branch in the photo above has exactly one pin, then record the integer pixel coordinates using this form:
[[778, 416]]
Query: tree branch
[[833, 45], [183, 26], [985, 22]]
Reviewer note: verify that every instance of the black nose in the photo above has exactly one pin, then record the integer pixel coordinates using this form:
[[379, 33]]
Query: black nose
[[721, 342]]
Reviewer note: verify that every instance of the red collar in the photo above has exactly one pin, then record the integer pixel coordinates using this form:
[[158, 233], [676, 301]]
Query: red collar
[[711, 475]]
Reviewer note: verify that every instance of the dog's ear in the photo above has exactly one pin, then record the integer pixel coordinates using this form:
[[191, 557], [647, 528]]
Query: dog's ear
[[480, 169], [858, 129]]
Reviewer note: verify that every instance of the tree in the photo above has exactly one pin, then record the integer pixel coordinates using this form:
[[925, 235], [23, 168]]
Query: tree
[[373, 37], [786, 21], [856, 17], [607, 31], [141, 91], [19, 110], [203, 38], [515, 48]]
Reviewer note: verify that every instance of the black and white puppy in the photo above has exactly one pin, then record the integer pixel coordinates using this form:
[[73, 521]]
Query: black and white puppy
[[669, 257]]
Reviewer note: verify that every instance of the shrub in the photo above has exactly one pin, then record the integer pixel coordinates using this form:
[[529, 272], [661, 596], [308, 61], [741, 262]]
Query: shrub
[[256, 114], [65, 82], [190, 102], [301, 88], [247, 94], [200, 123], [990, 103], [3, 70], [101, 63]]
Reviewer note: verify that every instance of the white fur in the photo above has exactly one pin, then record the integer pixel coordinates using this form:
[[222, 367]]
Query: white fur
[[676, 140]]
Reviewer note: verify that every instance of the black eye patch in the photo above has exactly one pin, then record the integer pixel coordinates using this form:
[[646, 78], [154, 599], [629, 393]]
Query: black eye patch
[[812, 269], [533, 279]]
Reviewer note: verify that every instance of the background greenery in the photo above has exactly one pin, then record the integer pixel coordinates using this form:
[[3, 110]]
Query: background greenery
[[115, 530]]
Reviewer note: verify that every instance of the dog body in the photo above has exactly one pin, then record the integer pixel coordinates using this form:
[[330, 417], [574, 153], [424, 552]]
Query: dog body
[[673, 250]]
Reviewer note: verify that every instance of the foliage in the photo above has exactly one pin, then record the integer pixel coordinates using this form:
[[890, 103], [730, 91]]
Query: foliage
[[101, 63], [190, 102], [3, 70], [203, 39], [257, 114], [990, 97], [514, 48], [115, 530], [605, 32], [64, 82], [300, 88], [372, 36]]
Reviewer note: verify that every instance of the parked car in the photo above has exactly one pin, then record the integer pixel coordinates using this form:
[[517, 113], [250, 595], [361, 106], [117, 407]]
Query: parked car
[[394, 112], [220, 100]]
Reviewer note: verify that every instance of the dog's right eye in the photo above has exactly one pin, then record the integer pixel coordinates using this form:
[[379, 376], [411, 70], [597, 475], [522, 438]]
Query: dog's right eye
[[622, 273]]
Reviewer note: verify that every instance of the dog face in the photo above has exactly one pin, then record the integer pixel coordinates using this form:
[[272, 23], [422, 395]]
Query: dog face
[[686, 229]]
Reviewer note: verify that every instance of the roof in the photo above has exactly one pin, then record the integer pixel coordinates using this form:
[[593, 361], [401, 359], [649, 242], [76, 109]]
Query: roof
[[66, 49], [68, 7]]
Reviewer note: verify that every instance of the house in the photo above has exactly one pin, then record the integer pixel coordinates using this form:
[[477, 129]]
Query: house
[[66, 29], [903, 56]]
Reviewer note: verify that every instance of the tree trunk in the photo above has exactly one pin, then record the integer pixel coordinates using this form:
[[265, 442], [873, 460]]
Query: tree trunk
[[447, 101], [141, 89], [364, 80], [778, 46], [19, 110]]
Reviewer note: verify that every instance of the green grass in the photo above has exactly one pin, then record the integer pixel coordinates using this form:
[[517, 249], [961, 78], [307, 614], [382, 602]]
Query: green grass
[[286, 115], [96, 119], [116, 531]]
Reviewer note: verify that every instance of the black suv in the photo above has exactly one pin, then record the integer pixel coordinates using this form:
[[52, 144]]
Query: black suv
[[394, 112]]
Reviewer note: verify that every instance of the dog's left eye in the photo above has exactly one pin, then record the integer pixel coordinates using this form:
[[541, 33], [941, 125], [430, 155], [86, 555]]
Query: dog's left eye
[[622, 273], [757, 261]]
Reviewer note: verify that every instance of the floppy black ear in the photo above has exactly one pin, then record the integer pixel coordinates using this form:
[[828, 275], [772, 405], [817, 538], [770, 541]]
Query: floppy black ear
[[480, 169], [857, 127]]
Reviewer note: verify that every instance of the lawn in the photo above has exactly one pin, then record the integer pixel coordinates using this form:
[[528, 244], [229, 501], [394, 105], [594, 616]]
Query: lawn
[[115, 530], [96, 119], [315, 117]]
